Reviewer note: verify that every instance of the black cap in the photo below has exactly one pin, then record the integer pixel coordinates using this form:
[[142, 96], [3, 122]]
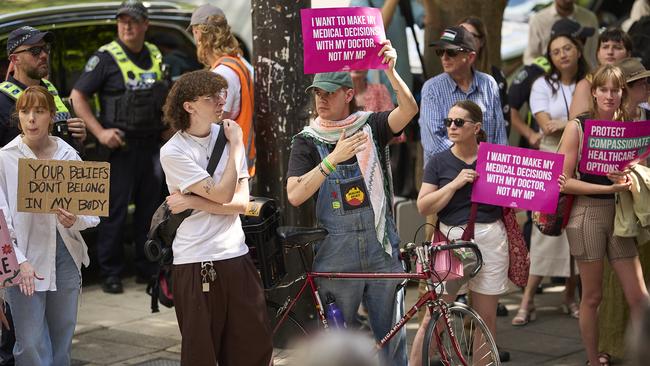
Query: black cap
[[571, 28], [133, 8], [28, 36], [455, 38]]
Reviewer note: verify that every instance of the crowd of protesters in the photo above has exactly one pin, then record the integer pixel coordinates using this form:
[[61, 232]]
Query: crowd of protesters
[[340, 161]]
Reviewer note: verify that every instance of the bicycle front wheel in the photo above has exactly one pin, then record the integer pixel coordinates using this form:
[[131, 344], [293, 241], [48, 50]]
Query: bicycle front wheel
[[466, 341]]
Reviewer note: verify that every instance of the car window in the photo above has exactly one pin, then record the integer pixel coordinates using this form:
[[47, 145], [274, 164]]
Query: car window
[[74, 45]]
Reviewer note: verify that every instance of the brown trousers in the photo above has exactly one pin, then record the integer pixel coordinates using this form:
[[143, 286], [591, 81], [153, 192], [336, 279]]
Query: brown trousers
[[229, 323]]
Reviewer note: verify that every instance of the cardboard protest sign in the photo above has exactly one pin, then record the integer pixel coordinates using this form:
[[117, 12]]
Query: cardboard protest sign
[[342, 39], [516, 177], [80, 187], [612, 146], [9, 268]]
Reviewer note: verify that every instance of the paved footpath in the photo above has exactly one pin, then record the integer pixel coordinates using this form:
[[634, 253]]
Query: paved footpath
[[121, 330]]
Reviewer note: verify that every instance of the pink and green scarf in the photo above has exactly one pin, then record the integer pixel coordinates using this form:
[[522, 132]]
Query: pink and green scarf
[[369, 162]]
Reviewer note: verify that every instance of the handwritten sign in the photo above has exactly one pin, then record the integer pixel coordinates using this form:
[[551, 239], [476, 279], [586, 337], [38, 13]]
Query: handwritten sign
[[611, 145], [9, 268], [517, 177], [80, 187], [342, 39]]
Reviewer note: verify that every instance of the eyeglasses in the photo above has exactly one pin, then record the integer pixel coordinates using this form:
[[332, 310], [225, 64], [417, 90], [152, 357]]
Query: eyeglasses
[[566, 49], [36, 50], [450, 53], [217, 97], [459, 122]]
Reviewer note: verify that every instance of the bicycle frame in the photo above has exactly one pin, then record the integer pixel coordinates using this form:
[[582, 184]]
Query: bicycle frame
[[429, 298]]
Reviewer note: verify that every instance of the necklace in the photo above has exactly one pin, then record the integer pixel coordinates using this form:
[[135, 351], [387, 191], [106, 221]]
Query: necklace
[[204, 146]]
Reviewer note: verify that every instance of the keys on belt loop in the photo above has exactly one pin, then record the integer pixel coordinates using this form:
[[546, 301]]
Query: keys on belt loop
[[208, 274]]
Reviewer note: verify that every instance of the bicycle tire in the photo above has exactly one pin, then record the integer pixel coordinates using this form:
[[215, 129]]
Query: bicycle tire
[[464, 322], [289, 331]]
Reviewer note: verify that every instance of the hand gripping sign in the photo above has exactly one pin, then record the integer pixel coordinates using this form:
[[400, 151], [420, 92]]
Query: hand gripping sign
[[342, 39], [9, 268], [518, 178], [613, 146]]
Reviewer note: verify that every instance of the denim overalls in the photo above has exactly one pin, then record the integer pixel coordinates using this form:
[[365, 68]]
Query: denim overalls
[[343, 208]]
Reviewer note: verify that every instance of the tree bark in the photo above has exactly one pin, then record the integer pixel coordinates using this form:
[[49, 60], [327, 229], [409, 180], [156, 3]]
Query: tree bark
[[443, 13], [280, 98]]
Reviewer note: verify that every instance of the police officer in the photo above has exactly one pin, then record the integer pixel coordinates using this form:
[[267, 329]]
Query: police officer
[[28, 49], [127, 76]]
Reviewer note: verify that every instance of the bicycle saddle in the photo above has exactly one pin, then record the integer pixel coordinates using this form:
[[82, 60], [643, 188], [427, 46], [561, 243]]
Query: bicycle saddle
[[298, 236]]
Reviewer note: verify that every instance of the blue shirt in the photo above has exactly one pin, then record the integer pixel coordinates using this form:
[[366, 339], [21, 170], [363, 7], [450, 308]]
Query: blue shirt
[[438, 96]]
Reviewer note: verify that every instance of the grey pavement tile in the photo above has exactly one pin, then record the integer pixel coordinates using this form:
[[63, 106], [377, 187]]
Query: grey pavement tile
[[160, 326], [105, 352], [130, 338], [518, 358], [524, 340]]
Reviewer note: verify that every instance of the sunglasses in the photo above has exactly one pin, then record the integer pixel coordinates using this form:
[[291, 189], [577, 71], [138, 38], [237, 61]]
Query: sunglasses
[[450, 53], [459, 122], [36, 50]]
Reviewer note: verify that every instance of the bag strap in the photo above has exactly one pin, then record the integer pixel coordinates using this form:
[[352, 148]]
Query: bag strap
[[468, 234], [217, 151]]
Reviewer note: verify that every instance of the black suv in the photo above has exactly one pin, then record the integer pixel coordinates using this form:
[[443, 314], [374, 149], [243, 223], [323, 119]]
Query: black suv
[[80, 29]]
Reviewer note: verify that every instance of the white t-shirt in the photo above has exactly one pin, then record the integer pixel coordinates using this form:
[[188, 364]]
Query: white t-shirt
[[201, 236], [542, 99], [233, 100]]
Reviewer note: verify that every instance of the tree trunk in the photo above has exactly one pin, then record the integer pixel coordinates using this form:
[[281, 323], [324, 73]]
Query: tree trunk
[[443, 13], [280, 98]]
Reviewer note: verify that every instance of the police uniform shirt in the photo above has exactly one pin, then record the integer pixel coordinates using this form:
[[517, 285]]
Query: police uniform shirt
[[8, 123], [102, 75]]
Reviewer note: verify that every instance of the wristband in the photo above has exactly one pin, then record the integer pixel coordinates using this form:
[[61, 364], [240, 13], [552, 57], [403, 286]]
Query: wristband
[[328, 165], [322, 171]]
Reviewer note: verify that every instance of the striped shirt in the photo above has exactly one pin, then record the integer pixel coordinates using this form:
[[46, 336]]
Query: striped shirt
[[438, 96]]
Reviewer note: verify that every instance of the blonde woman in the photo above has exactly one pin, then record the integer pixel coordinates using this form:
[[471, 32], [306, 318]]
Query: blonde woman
[[591, 224], [218, 49]]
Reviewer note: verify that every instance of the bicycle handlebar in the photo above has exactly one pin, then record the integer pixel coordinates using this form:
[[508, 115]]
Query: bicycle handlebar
[[455, 244]]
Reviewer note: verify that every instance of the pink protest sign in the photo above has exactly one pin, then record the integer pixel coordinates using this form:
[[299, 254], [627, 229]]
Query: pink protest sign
[[342, 39], [516, 177], [611, 145], [9, 268]]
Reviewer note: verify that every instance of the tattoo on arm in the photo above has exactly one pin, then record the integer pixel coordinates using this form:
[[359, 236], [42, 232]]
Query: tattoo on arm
[[208, 185]]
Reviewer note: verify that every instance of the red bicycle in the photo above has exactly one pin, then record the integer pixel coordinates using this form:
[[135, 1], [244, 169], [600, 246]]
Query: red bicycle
[[456, 335]]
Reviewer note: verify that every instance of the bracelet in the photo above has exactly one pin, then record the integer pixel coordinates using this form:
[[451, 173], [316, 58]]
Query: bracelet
[[328, 165], [322, 171]]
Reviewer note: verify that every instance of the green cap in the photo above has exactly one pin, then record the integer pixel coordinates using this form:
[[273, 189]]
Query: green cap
[[331, 81]]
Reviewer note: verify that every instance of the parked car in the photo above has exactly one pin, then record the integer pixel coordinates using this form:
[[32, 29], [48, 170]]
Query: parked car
[[81, 28]]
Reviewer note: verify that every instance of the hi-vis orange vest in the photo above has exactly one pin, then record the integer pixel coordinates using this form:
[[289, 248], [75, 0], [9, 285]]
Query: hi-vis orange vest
[[245, 118]]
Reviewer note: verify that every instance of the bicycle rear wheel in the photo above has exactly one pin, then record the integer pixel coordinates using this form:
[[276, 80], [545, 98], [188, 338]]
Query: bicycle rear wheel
[[466, 342], [289, 331]]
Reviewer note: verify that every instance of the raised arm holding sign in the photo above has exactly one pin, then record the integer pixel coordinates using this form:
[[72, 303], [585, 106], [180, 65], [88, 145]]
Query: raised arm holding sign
[[342, 39]]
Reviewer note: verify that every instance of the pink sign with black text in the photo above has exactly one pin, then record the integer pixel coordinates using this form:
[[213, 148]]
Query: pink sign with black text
[[9, 269], [342, 39], [517, 177], [612, 146]]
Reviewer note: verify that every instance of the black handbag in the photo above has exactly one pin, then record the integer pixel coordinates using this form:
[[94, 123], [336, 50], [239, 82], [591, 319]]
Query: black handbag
[[158, 247]]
